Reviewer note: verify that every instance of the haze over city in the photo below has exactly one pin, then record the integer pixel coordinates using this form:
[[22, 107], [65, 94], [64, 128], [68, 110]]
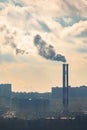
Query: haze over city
[[32, 65]]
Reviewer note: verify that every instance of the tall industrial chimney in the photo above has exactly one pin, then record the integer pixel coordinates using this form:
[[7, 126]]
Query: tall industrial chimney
[[65, 87]]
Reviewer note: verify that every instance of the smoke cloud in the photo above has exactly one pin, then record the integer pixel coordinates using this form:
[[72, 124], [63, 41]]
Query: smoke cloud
[[47, 51], [9, 39]]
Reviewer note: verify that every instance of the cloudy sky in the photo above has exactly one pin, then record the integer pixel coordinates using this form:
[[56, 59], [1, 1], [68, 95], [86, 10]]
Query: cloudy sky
[[61, 26]]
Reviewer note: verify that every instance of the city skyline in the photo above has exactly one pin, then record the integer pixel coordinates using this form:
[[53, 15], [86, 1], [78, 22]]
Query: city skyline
[[62, 29]]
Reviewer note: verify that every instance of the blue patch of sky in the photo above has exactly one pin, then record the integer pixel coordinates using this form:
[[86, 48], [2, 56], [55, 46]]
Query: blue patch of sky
[[7, 58], [1, 7], [3, 1], [82, 50], [66, 21], [44, 26], [82, 34], [15, 2], [18, 3]]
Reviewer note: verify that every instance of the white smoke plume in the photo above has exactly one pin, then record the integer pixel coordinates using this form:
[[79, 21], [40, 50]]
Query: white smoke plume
[[9, 39]]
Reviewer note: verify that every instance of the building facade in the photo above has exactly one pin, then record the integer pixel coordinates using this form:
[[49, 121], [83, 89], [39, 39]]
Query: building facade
[[5, 90]]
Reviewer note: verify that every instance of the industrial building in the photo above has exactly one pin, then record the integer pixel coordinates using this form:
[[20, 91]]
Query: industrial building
[[57, 92], [5, 90]]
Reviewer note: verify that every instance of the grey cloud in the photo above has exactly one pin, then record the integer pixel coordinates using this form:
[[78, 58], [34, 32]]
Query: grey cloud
[[82, 34], [47, 51], [44, 26], [71, 7], [85, 41], [2, 6], [2, 28], [77, 7], [18, 3], [28, 15], [82, 50]]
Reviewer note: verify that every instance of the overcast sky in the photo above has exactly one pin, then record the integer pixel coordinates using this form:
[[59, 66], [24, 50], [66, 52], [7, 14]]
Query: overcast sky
[[61, 26]]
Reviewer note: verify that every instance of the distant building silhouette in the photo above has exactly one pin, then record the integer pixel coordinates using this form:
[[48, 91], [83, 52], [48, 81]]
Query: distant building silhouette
[[5, 90], [30, 107], [73, 91], [56, 92]]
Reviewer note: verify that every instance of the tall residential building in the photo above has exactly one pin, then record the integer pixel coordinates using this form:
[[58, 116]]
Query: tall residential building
[[5, 90]]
